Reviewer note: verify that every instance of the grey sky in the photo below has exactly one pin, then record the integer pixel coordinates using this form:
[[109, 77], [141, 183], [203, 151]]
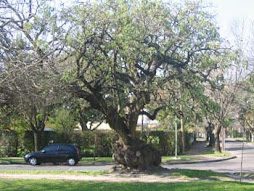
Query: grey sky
[[228, 11]]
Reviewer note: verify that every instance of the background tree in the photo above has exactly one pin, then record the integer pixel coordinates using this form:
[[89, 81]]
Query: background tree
[[64, 120], [242, 31], [185, 106], [29, 50], [225, 96], [84, 115], [245, 103]]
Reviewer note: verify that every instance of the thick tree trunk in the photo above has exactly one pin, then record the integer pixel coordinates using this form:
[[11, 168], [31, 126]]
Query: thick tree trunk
[[248, 136], [183, 135], [217, 138], [210, 134], [128, 150], [136, 154], [83, 121], [182, 129], [35, 141], [211, 140]]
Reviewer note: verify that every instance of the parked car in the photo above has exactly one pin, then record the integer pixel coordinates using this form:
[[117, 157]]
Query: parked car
[[55, 153]]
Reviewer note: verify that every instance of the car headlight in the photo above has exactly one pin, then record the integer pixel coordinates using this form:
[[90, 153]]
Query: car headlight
[[27, 155]]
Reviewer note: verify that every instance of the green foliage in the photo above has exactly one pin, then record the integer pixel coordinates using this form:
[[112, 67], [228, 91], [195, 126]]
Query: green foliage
[[91, 173], [8, 143], [127, 50], [11, 120], [236, 134], [164, 141], [64, 120]]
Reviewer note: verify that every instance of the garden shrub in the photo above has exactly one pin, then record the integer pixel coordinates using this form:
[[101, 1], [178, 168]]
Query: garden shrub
[[8, 143]]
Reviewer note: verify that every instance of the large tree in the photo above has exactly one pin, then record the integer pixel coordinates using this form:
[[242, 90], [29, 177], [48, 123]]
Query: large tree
[[124, 56]]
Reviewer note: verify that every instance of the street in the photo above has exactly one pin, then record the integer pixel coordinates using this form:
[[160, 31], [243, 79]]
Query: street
[[230, 166]]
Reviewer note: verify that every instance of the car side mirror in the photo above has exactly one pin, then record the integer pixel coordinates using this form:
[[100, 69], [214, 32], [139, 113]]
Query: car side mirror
[[43, 151]]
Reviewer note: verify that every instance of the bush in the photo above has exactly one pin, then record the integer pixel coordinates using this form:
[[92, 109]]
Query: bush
[[236, 134], [8, 143], [164, 141]]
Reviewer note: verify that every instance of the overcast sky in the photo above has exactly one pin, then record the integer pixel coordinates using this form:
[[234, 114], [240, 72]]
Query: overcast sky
[[228, 11]]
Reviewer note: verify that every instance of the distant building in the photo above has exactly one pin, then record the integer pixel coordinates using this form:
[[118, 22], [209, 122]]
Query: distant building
[[141, 120]]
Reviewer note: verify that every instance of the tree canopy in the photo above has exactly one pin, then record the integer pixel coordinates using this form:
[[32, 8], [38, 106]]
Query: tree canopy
[[126, 55]]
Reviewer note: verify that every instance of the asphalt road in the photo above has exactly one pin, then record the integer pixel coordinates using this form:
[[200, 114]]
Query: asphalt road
[[230, 166]]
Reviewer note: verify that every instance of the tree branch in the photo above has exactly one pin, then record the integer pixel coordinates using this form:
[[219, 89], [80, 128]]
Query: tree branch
[[151, 116]]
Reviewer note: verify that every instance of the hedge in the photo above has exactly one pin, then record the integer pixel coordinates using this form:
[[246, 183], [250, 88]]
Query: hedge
[[8, 143], [91, 143]]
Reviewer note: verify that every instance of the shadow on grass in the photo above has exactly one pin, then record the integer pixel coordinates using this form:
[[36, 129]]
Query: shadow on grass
[[182, 174], [199, 174]]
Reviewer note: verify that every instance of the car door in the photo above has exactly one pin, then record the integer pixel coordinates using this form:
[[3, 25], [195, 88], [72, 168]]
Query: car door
[[63, 153], [50, 153]]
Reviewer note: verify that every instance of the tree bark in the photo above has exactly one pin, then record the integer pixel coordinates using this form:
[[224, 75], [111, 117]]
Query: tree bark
[[129, 151], [183, 135], [136, 154], [217, 138], [35, 141]]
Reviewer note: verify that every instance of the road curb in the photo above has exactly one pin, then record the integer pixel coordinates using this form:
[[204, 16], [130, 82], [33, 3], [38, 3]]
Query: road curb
[[203, 161]]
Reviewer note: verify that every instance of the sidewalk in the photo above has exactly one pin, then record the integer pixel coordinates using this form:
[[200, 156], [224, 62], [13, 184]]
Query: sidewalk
[[199, 153]]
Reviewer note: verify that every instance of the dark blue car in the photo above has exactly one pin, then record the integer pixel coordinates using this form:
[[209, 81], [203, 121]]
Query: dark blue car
[[56, 153]]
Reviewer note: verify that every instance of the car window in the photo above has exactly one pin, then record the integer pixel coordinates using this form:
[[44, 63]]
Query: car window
[[61, 148], [65, 148], [51, 148]]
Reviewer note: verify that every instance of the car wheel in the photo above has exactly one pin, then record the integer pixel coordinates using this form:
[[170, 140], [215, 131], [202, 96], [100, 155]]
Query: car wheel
[[71, 161], [33, 161]]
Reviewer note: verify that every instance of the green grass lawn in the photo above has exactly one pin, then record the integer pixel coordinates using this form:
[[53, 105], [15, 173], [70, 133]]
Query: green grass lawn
[[217, 154], [200, 174], [42, 185], [166, 159], [87, 160], [93, 173], [12, 160]]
